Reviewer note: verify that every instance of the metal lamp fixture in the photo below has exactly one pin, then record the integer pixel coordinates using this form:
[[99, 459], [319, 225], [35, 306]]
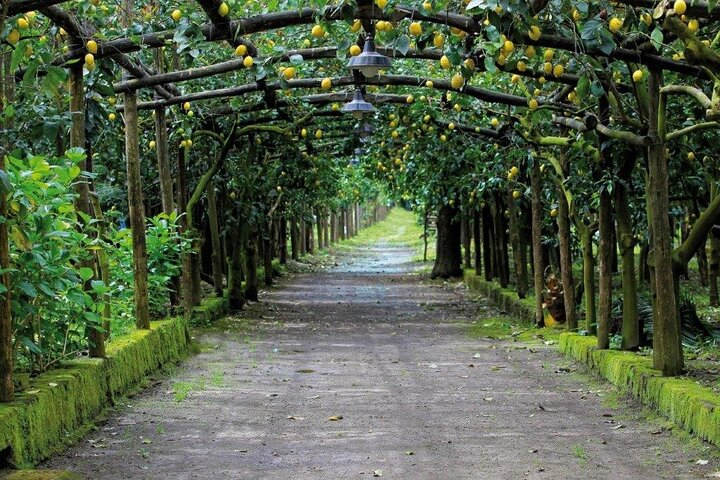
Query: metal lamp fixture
[[358, 106], [369, 62], [364, 131]]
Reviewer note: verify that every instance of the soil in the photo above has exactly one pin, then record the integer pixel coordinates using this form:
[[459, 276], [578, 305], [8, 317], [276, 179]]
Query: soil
[[366, 370]]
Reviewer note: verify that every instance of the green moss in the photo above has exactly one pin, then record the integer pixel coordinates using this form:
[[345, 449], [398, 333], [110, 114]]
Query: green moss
[[42, 475], [131, 358], [691, 406], [507, 300], [494, 327], [209, 310], [60, 405]]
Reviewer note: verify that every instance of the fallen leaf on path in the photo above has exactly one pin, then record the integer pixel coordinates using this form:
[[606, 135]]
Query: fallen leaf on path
[[714, 475], [377, 473], [477, 355], [549, 342], [488, 399], [293, 417], [335, 418], [53, 384], [617, 427], [702, 462], [409, 452], [432, 365]]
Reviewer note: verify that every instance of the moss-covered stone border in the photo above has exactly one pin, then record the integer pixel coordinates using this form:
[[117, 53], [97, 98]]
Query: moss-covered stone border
[[59, 406], [692, 407], [507, 300]]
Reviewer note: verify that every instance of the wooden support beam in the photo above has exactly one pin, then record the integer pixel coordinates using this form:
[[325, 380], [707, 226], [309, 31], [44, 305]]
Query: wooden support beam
[[75, 29], [135, 197], [382, 80], [305, 16]]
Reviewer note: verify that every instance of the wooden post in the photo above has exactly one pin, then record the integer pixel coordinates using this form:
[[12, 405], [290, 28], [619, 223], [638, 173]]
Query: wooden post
[[282, 237], [161, 145], [135, 194], [96, 338], [7, 389]]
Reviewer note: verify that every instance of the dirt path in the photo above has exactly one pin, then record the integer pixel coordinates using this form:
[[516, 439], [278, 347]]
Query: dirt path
[[364, 371]]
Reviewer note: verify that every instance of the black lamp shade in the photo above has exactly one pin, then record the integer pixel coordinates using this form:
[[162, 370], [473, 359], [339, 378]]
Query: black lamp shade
[[369, 62], [358, 106]]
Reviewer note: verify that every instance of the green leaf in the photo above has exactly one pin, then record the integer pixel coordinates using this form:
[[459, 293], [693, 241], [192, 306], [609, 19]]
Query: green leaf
[[31, 345], [656, 37], [296, 59], [86, 273], [402, 44], [583, 86]]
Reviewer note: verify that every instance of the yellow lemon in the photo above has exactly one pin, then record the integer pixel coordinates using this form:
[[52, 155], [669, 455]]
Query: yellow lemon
[[638, 75], [90, 59], [533, 104], [534, 33], [319, 134], [521, 66], [176, 15], [381, 3], [616, 24], [22, 23], [508, 46], [558, 70], [223, 9], [409, 99], [439, 40], [469, 64], [355, 50], [680, 7], [13, 37], [289, 73], [152, 144], [548, 54], [445, 62], [112, 117], [457, 81], [429, 84], [356, 26], [515, 79], [241, 50], [248, 61], [576, 15], [530, 51], [92, 46], [326, 83], [693, 25], [318, 31], [303, 132], [415, 29]]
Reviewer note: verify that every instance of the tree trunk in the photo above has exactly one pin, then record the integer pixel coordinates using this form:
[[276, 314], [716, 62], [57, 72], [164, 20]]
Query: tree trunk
[[488, 253], [520, 286], [667, 348], [477, 240], [282, 236], [448, 260], [588, 277], [216, 254], [605, 268], [536, 219], [466, 239], [631, 327], [251, 280], [268, 255], [236, 297], [566, 264], [7, 389]]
